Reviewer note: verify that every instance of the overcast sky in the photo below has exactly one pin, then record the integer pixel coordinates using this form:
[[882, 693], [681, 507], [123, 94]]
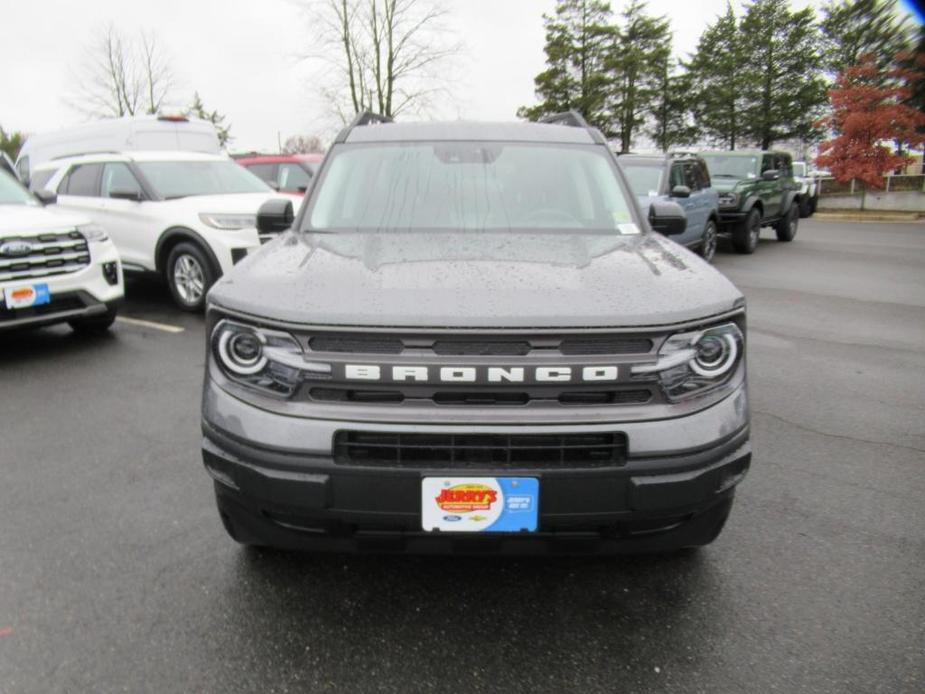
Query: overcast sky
[[241, 55]]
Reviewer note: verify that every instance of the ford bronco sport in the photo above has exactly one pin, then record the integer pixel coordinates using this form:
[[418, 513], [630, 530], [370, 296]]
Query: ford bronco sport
[[470, 340], [756, 189]]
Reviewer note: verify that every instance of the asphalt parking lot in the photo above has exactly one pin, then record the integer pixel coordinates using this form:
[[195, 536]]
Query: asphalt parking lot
[[116, 575]]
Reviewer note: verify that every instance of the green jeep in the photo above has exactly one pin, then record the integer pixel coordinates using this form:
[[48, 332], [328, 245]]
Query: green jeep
[[756, 189]]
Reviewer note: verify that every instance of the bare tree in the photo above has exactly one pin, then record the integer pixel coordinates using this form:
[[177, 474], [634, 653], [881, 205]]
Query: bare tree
[[302, 144], [122, 77], [388, 56]]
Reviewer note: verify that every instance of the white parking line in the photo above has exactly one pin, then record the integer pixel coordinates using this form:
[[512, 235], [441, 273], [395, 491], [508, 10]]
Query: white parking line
[[150, 324]]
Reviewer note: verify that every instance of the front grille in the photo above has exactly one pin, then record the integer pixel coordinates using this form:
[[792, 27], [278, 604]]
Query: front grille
[[45, 255], [510, 346], [502, 369], [471, 451]]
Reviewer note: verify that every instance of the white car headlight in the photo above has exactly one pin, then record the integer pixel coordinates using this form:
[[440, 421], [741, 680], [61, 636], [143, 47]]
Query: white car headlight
[[728, 199], [228, 222], [93, 233]]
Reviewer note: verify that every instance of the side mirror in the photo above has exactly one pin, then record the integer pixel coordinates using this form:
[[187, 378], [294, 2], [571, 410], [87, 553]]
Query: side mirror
[[46, 197], [680, 192], [770, 175], [275, 216], [667, 217], [126, 194]]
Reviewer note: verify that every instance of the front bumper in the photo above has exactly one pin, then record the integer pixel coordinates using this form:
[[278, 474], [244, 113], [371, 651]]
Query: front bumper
[[76, 295], [679, 477]]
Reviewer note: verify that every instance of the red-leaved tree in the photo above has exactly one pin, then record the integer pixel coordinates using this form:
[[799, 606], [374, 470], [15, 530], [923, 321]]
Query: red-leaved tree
[[868, 116]]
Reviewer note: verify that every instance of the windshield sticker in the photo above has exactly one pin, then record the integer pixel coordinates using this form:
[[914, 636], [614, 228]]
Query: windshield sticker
[[628, 228]]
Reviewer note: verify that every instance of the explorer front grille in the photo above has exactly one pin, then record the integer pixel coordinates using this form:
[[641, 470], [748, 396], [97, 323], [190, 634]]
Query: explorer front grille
[[45, 255], [470, 451]]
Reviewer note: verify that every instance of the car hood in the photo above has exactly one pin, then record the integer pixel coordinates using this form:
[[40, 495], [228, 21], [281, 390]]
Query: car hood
[[727, 185], [33, 219], [476, 280], [242, 203]]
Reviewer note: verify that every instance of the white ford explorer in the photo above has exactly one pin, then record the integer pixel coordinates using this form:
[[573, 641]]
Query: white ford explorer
[[55, 267], [188, 217]]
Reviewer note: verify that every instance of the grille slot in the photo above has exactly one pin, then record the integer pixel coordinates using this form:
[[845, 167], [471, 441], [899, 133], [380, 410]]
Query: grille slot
[[359, 344], [518, 348], [604, 345], [466, 451], [48, 255], [606, 397]]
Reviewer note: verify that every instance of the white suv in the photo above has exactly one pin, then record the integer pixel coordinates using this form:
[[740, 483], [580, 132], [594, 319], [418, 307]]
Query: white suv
[[188, 217], [55, 267]]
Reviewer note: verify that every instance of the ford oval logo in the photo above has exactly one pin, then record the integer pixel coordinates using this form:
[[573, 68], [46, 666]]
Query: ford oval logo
[[12, 249]]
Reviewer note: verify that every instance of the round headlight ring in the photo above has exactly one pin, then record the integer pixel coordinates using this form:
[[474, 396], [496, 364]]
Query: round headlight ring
[[236, 349], [722, 362]]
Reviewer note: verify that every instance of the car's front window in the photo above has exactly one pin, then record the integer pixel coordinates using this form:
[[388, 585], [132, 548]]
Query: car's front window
[[470, 186], [731, 165], [180, 179], [12, 193], [644, 179], [799, 169]]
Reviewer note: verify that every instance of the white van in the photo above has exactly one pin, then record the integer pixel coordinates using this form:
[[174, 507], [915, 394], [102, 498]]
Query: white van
[[132, 133]]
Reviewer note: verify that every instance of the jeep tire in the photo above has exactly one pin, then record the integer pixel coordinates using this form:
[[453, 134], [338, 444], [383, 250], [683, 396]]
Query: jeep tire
[[189, 275], [786, 226], [745, 236]]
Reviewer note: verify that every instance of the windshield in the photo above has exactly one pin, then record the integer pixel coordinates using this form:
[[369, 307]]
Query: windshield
[[731, 165], [180, 179], [644, 179], [799, 168], [12, 193], [467, 186]]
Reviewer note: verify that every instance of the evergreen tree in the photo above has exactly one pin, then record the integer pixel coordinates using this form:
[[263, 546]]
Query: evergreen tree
[[198, 110], [671, 114], [783, 82], [639, 50], [855, 28], [577, 43], [716, 96]]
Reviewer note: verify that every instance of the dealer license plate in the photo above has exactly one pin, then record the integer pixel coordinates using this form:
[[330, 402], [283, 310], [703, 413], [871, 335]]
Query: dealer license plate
[[26, 295], [480, 504]]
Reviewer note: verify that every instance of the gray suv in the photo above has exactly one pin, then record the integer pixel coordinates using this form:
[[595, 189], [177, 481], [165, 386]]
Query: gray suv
[[470, 340]]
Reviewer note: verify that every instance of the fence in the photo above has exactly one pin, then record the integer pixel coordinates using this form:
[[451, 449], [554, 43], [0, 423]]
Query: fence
[[898, 194], [829, 186]]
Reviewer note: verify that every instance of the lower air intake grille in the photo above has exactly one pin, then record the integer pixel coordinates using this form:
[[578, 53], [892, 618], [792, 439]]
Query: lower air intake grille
[[469, 451]]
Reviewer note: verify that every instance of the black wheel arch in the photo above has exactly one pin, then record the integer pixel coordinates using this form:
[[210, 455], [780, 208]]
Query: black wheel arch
[[791, 199], [177, 235]]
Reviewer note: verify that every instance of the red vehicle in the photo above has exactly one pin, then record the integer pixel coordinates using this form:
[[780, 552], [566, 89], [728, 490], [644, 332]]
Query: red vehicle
[[288, 173]]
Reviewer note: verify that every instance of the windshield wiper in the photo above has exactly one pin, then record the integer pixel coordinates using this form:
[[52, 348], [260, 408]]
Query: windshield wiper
[[175, 197]]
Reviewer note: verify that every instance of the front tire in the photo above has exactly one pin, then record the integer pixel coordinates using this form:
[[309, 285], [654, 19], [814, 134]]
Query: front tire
[[189, 275], [746, 235], [707, 248], [806, 207], [786, 227]]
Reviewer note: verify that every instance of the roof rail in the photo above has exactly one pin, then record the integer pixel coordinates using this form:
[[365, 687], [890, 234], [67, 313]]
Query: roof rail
[[88, 153], [678, 153], [571, 117], [362, 118]]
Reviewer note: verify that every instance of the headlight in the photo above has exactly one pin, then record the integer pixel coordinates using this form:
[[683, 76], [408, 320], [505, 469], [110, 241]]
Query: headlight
[[267, 360], [93, 233], [228, 222], [694, 363], [728, 199]]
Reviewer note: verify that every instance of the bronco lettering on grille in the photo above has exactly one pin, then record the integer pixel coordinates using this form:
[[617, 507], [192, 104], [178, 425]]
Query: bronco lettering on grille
[[489, 374]]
